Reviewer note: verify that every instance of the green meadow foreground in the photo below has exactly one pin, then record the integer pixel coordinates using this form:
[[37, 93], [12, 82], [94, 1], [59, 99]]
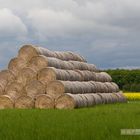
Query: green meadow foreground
[[102, 122]]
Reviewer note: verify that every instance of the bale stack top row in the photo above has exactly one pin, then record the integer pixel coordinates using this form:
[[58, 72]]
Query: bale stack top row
[[40, 78]]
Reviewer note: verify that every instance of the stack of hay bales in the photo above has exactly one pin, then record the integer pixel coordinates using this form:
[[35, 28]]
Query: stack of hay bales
[[40, 78]]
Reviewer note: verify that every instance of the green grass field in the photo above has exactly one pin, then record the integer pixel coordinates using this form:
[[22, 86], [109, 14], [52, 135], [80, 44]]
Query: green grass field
[[98, 123]]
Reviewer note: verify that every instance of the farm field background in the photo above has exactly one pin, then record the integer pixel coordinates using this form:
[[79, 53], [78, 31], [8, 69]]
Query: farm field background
[[99, 122]]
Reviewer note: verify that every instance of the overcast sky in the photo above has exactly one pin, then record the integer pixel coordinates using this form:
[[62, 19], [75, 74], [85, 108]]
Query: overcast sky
[[105, 32]]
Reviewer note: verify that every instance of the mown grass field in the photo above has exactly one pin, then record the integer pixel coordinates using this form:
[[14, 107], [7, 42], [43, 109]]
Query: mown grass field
[[102, 122]]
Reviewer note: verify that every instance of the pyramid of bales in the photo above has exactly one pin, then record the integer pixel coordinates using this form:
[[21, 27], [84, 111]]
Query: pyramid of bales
[[40, 78]]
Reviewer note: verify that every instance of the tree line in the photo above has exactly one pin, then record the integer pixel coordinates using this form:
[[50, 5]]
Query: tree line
[[128, 80]]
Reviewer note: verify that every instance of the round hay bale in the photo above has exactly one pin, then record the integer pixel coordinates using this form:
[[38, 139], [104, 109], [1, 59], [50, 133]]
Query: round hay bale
[[90, 99], [26, 52], [105, 89], [44, 101], [55, 89], [72, 75], [46, 75], [60, 55], [91, 67], [65, 101], [98, 78], [116, 87], [78, 100], [110, 87], [103, 97], [6, 102], [84, 100], [3, 83], [24, 102], [75, 57], [87, 75], [95, 86], [114, 98], [38, 62], [1, 90], [15, 90], [6, 77], [35, 88], [97, 99], [83, 66], [107, 77], [16, 64], [69, 56], [110, 100], [26, 75], [103, 77], [102, 87], [98, 87]]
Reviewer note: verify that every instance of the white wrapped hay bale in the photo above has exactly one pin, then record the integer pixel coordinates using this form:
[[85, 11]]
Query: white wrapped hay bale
[[24, 102], [28, 51], [44, 101]]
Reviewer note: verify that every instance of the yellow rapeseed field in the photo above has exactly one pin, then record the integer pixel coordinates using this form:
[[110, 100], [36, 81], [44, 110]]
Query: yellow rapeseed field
[[132, 96]]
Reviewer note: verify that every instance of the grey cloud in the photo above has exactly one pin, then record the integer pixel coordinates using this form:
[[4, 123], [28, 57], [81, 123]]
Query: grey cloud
[[106, 32], [10, 24]]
